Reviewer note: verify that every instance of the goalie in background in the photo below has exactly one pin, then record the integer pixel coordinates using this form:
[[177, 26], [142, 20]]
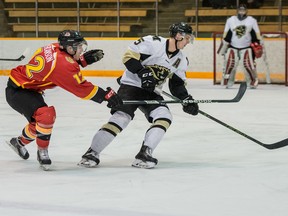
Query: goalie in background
[[56, 64], [149, 62], [241, 44]]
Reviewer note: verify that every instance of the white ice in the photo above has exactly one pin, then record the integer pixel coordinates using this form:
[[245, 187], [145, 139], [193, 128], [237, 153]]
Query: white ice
[[204, 168]]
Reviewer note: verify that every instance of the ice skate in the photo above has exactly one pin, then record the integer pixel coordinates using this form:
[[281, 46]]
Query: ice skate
[[18, 147], [144, 159], [90, 159], [254, 84], [43, 159]]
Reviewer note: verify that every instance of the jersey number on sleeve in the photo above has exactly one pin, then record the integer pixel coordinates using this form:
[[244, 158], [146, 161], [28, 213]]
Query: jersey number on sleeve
[[79, 78]]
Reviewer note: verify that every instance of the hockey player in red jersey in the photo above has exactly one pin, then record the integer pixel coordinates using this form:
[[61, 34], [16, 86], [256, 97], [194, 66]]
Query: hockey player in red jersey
[[56, 64], [241, 44], [149, 62]]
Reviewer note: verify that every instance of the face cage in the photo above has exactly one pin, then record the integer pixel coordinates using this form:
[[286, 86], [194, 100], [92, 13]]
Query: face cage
[[242, 14]]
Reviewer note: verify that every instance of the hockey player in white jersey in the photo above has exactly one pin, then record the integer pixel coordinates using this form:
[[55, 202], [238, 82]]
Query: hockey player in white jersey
[[241, 44], [149, 61]]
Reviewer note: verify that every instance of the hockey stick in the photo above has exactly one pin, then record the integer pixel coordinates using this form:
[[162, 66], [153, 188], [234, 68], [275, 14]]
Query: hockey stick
[[276, 145], [16, 59], [237, 98]]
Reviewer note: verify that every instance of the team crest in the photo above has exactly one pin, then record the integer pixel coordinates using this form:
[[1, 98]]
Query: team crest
[[160, 73], [240, 31]]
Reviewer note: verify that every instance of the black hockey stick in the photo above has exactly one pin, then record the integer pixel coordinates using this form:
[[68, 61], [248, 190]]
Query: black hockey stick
[[276, 145], [16, 59], [237, 98]]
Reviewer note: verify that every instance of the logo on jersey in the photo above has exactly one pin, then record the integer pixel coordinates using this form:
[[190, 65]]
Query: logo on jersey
[[240, 31], [160, 73]]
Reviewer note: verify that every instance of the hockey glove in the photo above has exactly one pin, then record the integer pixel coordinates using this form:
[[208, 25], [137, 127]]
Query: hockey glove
[[222, 50], [113, 99], [147, 80], [190, 108], [90, 57], [257, 49]]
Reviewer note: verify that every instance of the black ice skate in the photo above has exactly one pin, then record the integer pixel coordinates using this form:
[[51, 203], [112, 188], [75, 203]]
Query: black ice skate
[[43, 158], [90, 159], [144, 158], [18, 147]]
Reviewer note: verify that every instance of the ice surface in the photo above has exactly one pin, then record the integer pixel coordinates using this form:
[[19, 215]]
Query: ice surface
[[204, 168]]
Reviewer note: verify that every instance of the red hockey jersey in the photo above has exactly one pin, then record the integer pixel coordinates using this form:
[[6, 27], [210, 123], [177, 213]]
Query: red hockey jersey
[[50, 67]]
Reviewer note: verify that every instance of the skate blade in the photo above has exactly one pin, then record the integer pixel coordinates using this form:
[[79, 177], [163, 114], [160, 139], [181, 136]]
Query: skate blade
[[25, 157], [87, 163], [45, 167], [141, 164]]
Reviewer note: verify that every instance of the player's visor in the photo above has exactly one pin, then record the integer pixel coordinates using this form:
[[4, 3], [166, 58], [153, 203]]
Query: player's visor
[[80, 45], [188, 37]]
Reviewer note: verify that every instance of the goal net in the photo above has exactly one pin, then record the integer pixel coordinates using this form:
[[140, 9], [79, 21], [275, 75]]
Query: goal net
[[271, 67]]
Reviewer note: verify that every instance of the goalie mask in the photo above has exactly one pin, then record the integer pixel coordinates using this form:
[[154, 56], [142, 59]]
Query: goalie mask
[[242, 12], [71, 38], [183, 29]]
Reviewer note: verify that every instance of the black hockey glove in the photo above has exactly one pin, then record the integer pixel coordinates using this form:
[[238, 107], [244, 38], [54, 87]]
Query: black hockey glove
[[190, 108], [147, 80], [113, 99], [90, 57]]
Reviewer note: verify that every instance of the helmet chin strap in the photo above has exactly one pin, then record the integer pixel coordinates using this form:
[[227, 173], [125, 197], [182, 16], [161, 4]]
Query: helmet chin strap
[[176, 42]]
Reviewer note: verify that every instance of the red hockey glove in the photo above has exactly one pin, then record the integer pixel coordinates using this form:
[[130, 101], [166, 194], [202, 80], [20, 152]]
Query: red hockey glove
[[257, 49], [113, 99], [90, 57]]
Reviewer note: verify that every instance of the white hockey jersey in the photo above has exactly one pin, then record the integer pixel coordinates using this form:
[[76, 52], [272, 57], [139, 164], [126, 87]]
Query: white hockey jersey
[[155, 48], [241, 31]]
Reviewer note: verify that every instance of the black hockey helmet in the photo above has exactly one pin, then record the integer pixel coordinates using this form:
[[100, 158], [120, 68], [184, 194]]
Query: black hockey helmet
[[181, 27], [71, 38], [242, 12]]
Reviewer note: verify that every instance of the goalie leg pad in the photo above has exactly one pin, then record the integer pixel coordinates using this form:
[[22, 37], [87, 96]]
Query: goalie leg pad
[[250, 68], [231, 64]]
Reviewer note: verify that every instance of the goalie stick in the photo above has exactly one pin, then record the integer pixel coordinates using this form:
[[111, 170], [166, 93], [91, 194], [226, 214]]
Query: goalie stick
[[16, 59], [272, 146], [237, 98]]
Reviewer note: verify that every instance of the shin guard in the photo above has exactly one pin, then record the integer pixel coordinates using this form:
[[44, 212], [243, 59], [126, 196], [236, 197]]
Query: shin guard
[[45, 118]]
